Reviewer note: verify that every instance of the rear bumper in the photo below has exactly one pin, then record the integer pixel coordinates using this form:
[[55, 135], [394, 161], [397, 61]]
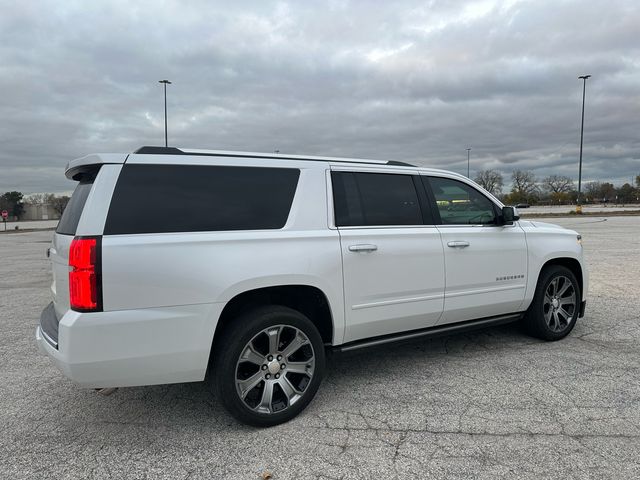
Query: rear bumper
[[133, 347], [49, 325]]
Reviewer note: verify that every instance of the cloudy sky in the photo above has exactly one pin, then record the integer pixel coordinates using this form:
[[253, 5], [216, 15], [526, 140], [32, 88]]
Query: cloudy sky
[[412, 81]]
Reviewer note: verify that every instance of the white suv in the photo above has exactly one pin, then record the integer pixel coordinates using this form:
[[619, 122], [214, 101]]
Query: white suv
[[169, 264]]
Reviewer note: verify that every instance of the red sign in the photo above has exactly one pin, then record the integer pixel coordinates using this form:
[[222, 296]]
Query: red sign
[[5, 214]]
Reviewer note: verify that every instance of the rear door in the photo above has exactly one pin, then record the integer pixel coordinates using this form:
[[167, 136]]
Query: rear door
[[486, 263], [392, 254]]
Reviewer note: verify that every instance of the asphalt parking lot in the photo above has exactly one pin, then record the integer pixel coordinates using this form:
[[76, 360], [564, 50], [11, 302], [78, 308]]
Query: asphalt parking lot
[[492, 404]]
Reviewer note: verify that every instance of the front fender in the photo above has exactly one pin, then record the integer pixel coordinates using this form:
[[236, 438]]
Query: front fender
[[546, 245]]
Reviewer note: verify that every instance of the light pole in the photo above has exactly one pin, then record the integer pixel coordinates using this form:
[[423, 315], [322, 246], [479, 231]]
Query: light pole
[[584, 88], [165, 82], [468, 153]]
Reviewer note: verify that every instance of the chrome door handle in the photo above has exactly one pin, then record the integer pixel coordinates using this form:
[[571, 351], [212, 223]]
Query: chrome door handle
[[364, 247], [458, 244]]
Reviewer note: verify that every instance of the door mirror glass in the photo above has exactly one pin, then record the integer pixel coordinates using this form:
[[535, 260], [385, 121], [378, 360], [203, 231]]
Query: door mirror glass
[[509, 215]]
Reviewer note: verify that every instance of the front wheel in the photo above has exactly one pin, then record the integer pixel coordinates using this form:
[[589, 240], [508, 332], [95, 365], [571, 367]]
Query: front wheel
[[270, 363], [556, 304]]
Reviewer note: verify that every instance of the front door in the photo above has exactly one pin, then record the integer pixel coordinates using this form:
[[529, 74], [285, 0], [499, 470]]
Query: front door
[[485, 263]]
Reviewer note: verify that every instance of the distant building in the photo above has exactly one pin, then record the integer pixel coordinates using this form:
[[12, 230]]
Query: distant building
[[39, 211]]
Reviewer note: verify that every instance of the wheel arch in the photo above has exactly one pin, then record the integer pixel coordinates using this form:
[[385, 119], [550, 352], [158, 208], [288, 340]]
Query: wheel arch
[[569, 262], [306, 299]]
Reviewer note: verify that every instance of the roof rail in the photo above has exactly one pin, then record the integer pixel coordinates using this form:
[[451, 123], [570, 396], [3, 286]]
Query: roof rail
[[151, 150]]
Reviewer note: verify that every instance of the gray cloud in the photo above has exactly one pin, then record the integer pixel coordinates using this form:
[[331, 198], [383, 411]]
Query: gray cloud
[[413, 81]]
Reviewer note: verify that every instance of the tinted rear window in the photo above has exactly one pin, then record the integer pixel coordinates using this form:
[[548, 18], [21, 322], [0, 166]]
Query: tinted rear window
[[68, 223], [370, 199], [194, 198]]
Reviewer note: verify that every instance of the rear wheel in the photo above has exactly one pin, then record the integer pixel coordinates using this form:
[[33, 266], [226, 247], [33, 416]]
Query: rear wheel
[[554, 310], [270, 363]]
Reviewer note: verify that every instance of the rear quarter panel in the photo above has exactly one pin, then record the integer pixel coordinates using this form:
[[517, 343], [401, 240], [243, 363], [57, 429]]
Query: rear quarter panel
[[169, 269]]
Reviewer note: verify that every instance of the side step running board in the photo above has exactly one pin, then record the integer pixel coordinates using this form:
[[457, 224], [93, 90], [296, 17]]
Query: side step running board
[[436, 331]]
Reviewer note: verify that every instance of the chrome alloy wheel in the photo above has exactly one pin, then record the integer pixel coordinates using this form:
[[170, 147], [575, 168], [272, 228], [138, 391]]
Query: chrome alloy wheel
[[274, 369], [560, 303]]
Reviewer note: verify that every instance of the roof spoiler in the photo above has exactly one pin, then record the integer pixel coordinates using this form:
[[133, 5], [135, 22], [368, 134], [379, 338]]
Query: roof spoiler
[[75, 168]]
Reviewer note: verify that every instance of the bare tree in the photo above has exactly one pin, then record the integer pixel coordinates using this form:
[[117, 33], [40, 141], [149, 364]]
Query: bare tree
[[558, 184], [38, 198], [59, 203], [490, 180], [592, 191], [607, 191], [524, 187]]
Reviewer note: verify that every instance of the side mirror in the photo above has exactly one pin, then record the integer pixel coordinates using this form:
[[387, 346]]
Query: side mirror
[[509, 215]]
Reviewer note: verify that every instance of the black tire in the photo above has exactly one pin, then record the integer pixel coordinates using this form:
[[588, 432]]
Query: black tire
[[542, 319], [228, 366]]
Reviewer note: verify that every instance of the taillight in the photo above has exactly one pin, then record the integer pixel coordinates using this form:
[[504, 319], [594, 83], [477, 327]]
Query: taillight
[[85, 279]]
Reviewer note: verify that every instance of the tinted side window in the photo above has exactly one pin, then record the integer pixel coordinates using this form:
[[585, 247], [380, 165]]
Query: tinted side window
[[68, 223], [370, 199], [346, 200], [195, 198], [461, 204]]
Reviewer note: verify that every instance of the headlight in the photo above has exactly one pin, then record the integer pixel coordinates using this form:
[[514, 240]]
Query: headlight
[[579, 239]]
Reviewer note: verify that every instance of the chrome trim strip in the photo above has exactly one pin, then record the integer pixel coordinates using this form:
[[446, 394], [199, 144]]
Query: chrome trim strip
[[483, 290], [435, 297], [397, 301]]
